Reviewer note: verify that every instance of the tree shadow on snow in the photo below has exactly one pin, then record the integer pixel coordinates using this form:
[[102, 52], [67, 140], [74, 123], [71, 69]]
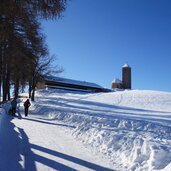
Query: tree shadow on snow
[[30, 158], [9, 146], [28, 155], [56, 165], [49, 162], [49, 123], [67, 103], [111, 111], [16, 149]]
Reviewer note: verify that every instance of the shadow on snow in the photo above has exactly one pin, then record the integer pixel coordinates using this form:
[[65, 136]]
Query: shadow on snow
[[16, 148], [102, 110], [49, 123]]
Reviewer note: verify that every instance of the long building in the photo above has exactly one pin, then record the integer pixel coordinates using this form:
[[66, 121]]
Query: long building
[[70, 84]]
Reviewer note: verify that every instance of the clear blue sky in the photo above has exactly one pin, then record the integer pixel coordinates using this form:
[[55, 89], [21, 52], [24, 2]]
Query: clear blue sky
[[94, 38]]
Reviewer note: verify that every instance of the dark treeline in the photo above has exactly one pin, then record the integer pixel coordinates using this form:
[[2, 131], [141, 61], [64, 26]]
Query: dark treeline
[[24, 57]]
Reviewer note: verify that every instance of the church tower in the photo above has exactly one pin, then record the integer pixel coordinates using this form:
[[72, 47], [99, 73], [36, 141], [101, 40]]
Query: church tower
[[126, 76]]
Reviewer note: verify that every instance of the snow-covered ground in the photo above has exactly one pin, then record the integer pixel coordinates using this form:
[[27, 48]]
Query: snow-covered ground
[[123, 130]]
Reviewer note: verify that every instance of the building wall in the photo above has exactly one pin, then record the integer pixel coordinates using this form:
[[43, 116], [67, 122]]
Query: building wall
[[116, 85]]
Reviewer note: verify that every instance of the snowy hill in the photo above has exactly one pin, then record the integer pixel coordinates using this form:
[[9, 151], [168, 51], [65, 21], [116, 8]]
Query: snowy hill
[[130, 129]]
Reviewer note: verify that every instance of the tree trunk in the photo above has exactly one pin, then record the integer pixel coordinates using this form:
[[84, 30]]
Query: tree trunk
[[4, 98], [33, 95], [33, 88], [30, 89], [8, 82], [0, 88], [0, 73], [9, 95], [16, 88], [4, 84]]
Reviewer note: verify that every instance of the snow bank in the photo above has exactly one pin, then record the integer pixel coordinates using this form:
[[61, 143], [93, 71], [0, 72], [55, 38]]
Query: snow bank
[[5, 108], [112, 124], [2, 111]]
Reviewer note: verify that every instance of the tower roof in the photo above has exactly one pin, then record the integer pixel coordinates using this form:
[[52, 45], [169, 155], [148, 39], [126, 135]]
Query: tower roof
[[125, 66], [116, 80]]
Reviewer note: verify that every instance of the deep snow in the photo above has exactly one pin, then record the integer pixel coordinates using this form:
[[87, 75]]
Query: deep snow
[[127, 130], [32, 144]]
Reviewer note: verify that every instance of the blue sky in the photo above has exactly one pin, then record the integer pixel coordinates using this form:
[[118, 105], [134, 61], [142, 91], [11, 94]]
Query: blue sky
[[94, 38]]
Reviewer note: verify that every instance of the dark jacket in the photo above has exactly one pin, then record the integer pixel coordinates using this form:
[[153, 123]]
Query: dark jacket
[[14, 103], [27, 103]]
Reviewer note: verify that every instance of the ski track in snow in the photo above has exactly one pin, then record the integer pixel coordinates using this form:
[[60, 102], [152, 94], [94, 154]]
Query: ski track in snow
[[124, 131]]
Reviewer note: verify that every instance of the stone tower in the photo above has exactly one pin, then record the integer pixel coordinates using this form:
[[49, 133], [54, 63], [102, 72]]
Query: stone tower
[[126, 76]]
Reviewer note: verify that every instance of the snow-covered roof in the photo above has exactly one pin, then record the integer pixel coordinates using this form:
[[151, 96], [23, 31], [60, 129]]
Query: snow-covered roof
[[71, 81], [116, 80], [125, 66]]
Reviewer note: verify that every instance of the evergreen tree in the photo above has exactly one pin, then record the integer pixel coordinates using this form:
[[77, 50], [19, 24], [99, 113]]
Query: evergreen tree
[[22, 45]]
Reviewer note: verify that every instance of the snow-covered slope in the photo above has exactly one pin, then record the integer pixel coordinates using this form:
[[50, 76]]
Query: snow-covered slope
[[132, 128]]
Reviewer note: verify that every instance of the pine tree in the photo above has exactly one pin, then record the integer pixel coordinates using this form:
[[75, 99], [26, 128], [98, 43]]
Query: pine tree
[[22, 43]]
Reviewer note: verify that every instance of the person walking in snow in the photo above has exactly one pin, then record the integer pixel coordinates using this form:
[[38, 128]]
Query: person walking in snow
[[13, 106], [27, 104]]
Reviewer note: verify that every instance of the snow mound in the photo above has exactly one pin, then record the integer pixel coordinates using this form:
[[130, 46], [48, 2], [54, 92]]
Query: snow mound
[[132, 128]]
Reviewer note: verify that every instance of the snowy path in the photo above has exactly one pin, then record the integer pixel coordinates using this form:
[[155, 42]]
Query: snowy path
[[35, 144]]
